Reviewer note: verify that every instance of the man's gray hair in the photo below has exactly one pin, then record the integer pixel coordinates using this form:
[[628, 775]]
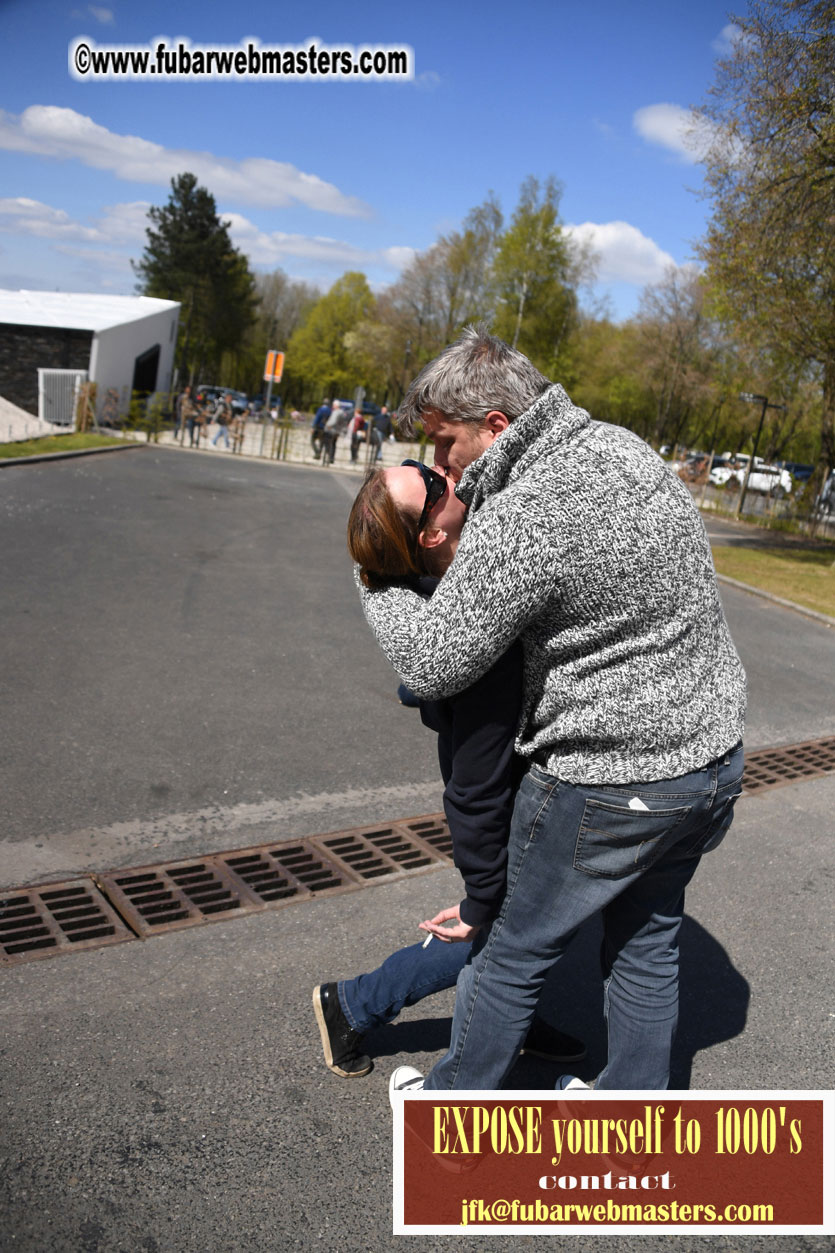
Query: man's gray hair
[[469, 379]]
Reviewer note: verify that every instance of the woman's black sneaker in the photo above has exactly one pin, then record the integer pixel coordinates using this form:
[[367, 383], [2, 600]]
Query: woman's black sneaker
[[340, 1042]]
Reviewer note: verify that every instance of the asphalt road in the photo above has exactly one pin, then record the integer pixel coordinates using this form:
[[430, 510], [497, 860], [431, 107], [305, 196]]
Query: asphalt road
[[186, 669]]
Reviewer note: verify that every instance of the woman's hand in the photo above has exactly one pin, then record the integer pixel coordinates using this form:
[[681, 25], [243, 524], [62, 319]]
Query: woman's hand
[[460, 932]]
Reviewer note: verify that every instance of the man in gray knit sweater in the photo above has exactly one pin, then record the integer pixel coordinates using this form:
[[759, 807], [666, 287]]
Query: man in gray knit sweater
[[583, 544]]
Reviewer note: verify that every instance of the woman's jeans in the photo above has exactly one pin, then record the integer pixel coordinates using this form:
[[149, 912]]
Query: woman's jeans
[[403, 979], [627, 852]]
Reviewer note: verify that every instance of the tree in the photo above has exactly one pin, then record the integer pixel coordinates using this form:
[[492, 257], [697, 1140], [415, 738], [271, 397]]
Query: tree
[[607, 360], [465, 268], [679, 351], [770, 245], [189, 257], [536, 301], [440, 291], [321, 359], [283, 305]]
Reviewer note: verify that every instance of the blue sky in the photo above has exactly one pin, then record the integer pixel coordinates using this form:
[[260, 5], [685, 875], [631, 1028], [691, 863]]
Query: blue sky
[[318, 177]]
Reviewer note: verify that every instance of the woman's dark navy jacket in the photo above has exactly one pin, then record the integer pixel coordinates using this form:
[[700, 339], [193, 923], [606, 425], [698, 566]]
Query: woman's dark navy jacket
[[476, 732]]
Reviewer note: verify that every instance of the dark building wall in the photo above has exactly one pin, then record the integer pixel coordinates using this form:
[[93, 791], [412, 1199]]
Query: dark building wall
[[25, 349]]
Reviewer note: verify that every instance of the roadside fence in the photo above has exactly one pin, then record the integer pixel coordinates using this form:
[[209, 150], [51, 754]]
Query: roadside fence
[[286, 440]]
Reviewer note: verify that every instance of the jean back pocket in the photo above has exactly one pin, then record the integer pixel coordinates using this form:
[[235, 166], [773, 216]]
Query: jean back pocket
[[615, 841]]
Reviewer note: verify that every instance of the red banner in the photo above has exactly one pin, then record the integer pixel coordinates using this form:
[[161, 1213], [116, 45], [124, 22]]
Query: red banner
[[652, 1162]]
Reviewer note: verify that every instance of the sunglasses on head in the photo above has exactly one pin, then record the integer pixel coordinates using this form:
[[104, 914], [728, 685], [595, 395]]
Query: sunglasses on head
[[435, 485]]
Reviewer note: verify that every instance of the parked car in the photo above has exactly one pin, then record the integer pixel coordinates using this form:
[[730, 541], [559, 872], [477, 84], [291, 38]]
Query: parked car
[[771, 480], [208, 395], [800, 472]]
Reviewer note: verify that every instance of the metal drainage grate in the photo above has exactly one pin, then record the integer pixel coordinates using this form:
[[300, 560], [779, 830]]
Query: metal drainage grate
[[39, 922], [66, 917], [184, 894], [374, 853], [434, 831], [775, 767]]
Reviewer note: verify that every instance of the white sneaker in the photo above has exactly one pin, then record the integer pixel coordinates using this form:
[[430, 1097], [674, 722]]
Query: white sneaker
[[405, 1079], [570, 1083]]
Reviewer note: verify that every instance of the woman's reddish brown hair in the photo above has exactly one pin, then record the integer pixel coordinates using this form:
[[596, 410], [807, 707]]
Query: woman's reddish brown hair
[[380, 538]]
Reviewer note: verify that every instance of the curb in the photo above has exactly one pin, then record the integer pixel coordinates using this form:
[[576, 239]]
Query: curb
[[777, 600], [63, 456]]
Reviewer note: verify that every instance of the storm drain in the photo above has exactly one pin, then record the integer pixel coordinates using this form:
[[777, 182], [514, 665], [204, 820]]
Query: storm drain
[[146, 900], [185, 894], [37, 922], [775, 767]]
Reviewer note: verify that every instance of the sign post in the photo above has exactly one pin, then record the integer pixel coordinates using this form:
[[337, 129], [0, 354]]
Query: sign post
[[273, 370]]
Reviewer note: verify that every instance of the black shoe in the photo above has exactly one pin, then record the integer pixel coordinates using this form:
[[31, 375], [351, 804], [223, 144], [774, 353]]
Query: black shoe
[[340, 1042], [554, 1046]]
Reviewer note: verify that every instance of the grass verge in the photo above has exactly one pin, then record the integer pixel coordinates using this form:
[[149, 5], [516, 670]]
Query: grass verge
[[803, 575], [56, 443]]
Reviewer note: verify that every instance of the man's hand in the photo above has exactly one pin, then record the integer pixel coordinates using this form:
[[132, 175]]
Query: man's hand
[[450, 935]]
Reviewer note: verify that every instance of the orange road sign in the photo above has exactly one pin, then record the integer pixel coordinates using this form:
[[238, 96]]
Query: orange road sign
[[274, 366]]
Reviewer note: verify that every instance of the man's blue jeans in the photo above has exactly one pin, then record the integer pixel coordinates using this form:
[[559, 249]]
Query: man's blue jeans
[[626, 851], [403, 979]]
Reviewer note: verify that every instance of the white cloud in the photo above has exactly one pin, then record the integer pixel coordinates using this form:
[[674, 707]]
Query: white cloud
[[726, 41], [399, 258], [625, 254], [121, 223], [126, 224], [21, 216], [680, 130], [49, 131], [274, 247], [429, 80]]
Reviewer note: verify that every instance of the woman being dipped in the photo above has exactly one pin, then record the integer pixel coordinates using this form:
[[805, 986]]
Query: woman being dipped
[[405, 524]]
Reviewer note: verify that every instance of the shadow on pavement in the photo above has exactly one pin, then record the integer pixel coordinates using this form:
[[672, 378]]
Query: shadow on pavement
[[714, 999], [713, 1008]]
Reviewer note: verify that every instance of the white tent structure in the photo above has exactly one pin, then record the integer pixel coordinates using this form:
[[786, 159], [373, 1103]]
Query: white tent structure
[[50, 342]]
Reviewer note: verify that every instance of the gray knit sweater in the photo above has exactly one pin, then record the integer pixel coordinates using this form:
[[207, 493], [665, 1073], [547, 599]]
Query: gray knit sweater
[[582, 542]]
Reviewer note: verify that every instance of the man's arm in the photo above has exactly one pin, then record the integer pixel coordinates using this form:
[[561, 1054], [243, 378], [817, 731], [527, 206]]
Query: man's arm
[[503, 573]]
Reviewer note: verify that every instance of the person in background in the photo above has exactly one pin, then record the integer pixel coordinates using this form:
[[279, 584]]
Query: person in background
[[192, 417], [334, 427], [382, 430], [223, 415], [320, 417], [356, 429]]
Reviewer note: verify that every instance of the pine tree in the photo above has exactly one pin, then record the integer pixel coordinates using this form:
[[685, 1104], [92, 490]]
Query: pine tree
[[189, 257]]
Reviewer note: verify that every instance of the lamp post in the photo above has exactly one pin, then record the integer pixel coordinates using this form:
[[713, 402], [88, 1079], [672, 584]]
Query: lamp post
[[753, 399]]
